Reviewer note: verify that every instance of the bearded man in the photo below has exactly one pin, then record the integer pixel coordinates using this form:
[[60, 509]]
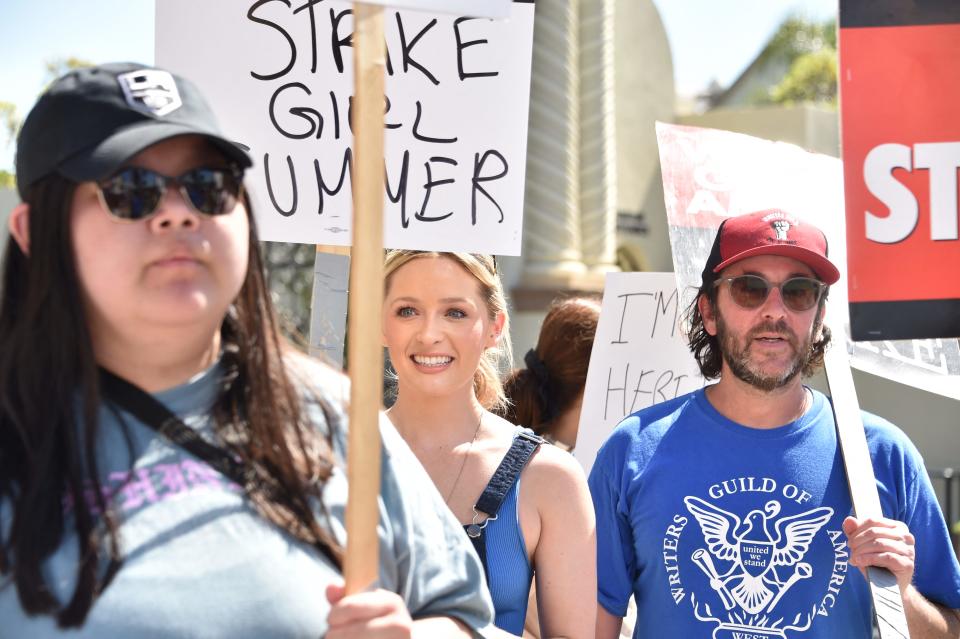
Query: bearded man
[[726, 512]]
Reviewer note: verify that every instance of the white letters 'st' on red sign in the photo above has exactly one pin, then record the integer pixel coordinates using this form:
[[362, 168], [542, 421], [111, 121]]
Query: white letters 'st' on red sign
[[900, 101]]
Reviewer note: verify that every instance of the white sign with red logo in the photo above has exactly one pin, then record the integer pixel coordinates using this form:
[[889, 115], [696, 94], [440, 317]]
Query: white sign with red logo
[[710, 175]]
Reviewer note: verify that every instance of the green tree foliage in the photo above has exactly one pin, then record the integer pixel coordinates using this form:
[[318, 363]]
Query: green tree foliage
[[810, 53], [9, 125], [812, 79], [60, 66], [797, 36], [9, 120]]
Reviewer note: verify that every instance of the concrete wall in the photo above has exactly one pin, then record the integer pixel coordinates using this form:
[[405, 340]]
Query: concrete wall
[[931, 421], [755, 82], [644, 89], [812, 128], [645, 94]]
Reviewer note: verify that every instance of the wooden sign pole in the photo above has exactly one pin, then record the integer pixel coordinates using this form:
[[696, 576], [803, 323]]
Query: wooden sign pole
[[365, 357], [887, 603]]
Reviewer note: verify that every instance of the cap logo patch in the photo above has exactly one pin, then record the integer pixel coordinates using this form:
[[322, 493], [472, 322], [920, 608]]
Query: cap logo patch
[[150, 90], [780, 227]]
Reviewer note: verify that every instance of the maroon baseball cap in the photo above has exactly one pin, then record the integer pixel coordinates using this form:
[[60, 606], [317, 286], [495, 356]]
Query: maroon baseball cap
[[769, 232]]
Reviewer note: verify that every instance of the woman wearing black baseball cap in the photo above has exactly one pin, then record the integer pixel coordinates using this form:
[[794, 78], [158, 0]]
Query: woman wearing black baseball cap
[[168, 465]]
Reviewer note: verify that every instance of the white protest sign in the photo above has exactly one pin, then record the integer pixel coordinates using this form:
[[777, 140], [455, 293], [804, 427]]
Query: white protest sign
[[639, 357], [279, 76], [476, 8], [710, 175]]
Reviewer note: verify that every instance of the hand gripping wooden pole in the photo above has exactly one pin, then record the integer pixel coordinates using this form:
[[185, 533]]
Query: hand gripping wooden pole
[[365, 355], [887, 603]]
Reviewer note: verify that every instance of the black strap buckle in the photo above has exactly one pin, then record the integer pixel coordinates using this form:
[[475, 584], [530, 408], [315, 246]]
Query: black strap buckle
[[480, 521]]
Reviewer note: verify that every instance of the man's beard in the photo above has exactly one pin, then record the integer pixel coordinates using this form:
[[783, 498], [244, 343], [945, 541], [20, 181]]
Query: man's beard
[[738, 359]]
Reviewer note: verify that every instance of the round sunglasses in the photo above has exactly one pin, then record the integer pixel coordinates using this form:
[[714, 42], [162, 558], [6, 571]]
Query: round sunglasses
[[798, 293], [135, 193]]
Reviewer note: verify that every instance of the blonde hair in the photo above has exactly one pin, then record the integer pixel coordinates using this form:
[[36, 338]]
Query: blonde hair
[[487, 384]]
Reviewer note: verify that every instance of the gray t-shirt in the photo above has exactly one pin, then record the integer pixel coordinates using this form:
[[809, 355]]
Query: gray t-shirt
[[199, 561]]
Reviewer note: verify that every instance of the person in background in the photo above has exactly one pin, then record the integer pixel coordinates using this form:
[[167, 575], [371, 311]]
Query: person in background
[[546, 395], [169, 466], [726, 511], [524, 505]]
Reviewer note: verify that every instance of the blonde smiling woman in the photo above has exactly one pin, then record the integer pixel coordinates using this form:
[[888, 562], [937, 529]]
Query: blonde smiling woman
[[445, 324]]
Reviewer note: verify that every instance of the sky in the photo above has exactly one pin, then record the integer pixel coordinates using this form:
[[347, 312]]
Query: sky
[[717, 39], [709, 39]]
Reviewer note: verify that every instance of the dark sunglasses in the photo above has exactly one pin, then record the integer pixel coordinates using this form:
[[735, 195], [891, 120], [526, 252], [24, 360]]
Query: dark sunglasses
[[798, 293], [135, 193]]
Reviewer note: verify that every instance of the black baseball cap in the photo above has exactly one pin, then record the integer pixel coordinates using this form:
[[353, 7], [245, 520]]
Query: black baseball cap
[[93, 120]]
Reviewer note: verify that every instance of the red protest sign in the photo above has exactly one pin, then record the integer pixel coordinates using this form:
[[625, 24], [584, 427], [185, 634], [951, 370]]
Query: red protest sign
[[900, 99]]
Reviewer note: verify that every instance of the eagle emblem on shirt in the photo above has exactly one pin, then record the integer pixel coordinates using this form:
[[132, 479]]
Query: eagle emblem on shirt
[[754, 546]]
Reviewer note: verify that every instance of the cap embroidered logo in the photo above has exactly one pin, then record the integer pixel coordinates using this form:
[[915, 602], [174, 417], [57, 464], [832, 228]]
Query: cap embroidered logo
[[151, 90], [780, 227]]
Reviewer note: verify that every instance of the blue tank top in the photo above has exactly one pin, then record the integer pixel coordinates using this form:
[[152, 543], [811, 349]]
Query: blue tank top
[[509, 570], [504, 552]]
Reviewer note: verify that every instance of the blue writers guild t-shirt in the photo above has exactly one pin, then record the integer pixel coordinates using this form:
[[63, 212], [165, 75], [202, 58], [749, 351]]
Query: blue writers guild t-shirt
[[730, 532]]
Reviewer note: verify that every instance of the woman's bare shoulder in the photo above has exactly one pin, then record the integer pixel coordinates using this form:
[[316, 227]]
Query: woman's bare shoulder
[[556, 486], [552, 464]]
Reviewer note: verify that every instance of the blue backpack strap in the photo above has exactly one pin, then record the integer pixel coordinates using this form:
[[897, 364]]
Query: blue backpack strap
[[503, 479], [507, 473]]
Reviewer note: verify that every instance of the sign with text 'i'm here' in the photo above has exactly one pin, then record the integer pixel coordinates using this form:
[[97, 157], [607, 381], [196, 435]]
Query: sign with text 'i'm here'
[[279, 76], [639, 356], [900, 99]]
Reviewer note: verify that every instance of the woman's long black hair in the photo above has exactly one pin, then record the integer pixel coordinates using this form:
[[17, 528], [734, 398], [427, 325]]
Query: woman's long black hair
[[47, 446]]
